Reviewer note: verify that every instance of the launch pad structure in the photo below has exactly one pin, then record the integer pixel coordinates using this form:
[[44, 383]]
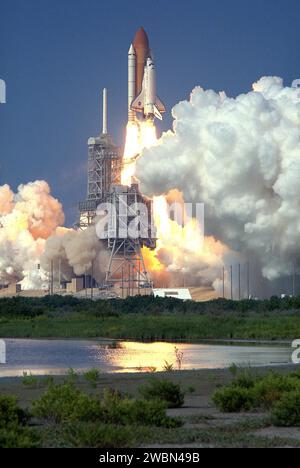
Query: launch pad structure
[[126, 262], [126, 270], [104, 169]]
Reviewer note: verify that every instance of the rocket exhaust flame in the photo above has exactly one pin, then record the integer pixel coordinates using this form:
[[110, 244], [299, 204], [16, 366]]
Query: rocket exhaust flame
[[139, 136], [132, 149], [179, 244]]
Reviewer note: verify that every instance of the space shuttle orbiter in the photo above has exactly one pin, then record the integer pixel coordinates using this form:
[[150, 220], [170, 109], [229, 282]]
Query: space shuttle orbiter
[[142, 80]]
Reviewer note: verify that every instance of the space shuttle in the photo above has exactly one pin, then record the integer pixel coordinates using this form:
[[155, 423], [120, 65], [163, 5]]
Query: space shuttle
[[142, 97]]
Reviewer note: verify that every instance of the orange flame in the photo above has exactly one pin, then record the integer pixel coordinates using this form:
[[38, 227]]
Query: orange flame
[[139, 135]]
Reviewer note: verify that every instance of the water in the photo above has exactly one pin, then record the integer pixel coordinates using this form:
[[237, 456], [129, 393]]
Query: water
[[42, 357]]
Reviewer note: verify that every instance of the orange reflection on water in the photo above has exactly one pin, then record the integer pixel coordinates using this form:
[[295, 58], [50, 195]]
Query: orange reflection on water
[[133, 356]]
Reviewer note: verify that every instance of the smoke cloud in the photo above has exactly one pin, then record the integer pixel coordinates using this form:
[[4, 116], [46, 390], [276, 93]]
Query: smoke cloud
[[76, 252], [27, 218], [241, 158], [31, 237]]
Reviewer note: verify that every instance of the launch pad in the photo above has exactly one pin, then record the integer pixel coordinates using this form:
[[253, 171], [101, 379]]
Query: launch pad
[[126, 270], [128, 231]]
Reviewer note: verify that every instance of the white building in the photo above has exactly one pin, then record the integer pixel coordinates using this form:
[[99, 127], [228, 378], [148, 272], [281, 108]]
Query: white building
[[183, 294]]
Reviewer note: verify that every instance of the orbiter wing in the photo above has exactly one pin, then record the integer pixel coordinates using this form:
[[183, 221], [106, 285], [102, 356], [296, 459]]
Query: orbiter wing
[[138, 103]]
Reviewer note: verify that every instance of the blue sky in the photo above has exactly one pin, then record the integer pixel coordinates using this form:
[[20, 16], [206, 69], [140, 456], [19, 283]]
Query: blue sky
[[57, 55]]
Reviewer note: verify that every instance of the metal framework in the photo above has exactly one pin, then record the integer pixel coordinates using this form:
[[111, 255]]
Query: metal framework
[[126, 265], [104, 168]]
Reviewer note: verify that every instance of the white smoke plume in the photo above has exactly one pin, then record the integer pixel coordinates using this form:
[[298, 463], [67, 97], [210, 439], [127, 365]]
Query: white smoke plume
[[241, 158], [187, 257], [27, 218], [76, 252], [31, 236]]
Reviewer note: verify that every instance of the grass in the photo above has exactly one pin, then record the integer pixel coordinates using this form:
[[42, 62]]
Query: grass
[[156, 327], [93, 435]]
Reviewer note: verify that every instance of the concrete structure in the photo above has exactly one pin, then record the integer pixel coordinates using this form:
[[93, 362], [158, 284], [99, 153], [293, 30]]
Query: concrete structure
[[203, 294], [76, 285], [10, 290], [13, 292]]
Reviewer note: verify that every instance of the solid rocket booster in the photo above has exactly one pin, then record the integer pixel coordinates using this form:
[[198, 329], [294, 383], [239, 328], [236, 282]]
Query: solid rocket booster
[[142, 80], [131, 81]]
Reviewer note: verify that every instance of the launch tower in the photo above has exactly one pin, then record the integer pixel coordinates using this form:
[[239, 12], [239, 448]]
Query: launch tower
[[126, 271], [104, 169], [126, 267]]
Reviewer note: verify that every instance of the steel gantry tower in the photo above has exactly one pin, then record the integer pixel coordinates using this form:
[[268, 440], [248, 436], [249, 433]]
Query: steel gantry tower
[[126, 271], [104, 169]]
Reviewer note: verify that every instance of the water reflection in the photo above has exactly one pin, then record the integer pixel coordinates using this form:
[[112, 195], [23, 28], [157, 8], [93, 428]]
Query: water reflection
[[57, 356], [135, 356]]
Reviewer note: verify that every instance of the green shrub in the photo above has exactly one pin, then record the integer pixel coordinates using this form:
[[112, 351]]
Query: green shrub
[[140, 412], [295, 374], [126, 411], [103, 309], [92, 376], [66, 403], [233, 399], [47, 381], [269, 389], [72, 376], [190, 389], [13, 432], [163, 390], [112, 396], [244, 379], [30, 381], [14, 436], [11, 413], [251, 392], [286, 411], [92, 435], [168, 367], [233, 369]]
